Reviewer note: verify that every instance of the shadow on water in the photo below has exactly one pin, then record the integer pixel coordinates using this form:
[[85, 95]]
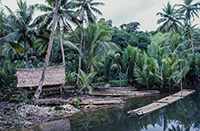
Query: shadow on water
[[179, 116]]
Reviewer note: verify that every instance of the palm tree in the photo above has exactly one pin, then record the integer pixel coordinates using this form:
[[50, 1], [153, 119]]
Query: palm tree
[[65, 14], [96, 43], [85, 11], [169, 18], [20, 29], [189, 10], [38, 91]]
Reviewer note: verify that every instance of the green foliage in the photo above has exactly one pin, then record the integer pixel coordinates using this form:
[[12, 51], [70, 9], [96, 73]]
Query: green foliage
[[7, 75], [158, 67], [86, 80], [130, 27], [70, 77], [107, 65], [77, 101], [124, 38]]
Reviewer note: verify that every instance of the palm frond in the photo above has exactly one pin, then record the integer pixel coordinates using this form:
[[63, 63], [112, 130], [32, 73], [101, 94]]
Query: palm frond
[[10, 37]]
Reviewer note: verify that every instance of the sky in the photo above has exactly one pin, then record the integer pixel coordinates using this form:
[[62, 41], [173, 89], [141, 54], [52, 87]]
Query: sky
[[125, 11]]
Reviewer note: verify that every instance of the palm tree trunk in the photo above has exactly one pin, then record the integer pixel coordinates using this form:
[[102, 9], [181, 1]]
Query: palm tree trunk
[[79, 61], [89, 68], [61, 45], [0, 49], [39, 90], [191, 37], [26, 55]]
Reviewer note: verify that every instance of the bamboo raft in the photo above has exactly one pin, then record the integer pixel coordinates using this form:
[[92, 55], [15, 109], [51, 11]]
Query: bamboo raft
[[161, 103]]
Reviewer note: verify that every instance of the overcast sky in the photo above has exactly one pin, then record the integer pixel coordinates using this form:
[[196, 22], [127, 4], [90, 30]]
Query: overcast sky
[[125, 11]]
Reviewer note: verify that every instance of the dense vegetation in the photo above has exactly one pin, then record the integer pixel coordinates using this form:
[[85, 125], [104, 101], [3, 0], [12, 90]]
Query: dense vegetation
[[97, 51]]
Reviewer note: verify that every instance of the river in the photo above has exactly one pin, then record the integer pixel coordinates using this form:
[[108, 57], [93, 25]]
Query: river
[[183, 115]]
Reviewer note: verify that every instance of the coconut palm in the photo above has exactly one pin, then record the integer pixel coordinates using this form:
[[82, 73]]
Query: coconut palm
[[96, 43], [38, 91], [19, 26], [189, 10], [85, 11], [64, 16], [169, 18]]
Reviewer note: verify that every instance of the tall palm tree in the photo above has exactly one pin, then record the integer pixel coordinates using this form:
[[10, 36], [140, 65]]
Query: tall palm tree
[[85, 11], [39, 90], [169, 18], [64, 16], [19, 26], [189, 10]]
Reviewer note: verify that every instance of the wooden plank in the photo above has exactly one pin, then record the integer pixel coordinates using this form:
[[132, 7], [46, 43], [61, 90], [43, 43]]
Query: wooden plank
[[101, 101], [161, 103], [147, 109], [169, 99], [185, 93], [125, 93]]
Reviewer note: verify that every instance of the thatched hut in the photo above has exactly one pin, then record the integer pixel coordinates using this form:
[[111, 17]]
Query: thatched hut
[[55, 77]]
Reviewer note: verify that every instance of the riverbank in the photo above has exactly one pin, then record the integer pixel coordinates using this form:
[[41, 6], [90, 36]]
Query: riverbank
[[19, 115], [14, 115]]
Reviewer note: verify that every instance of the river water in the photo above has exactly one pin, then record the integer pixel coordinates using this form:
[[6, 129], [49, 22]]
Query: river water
[[183, 115]]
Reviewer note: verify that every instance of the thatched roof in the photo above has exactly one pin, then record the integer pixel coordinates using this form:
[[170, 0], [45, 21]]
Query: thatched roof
[[31, 77]]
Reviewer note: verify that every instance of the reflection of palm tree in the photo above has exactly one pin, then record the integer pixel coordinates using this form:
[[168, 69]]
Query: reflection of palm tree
[[179, 128]]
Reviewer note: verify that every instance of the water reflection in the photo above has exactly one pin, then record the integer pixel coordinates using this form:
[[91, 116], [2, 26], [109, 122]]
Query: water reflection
[[180, 116]]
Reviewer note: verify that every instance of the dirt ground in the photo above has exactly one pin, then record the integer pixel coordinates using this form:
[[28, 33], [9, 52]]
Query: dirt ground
[[17, 115]]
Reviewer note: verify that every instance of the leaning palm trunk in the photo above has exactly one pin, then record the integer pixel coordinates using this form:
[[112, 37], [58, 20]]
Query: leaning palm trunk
[[191, 37], [61, 45], [26, 55], [0, 49], [79, 60], [39, 90]]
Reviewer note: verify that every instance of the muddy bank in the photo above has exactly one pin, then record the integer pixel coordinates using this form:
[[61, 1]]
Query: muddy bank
[[13, 115]]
